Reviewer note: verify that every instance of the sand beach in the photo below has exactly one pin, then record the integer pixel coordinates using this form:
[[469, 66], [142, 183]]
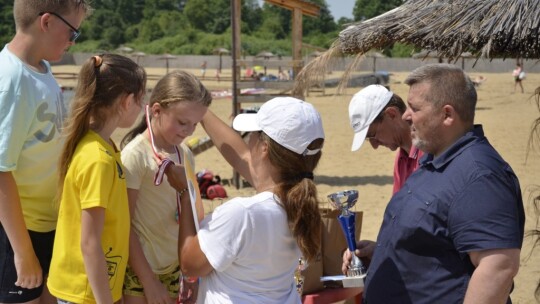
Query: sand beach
[[506, 117]]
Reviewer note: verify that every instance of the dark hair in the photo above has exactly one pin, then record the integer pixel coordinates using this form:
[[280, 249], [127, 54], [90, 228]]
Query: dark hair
[[396, 102], [449, 85], [177, 86], [298, 193], [103, 80]]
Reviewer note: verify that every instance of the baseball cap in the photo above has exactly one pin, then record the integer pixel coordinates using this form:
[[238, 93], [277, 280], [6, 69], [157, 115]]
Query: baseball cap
[[364, 107], [291, 122]]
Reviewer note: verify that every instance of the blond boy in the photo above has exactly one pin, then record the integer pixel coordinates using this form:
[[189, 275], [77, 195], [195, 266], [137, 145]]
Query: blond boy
[[31, 114]]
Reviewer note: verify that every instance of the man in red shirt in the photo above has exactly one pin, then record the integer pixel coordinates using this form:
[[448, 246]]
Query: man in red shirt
[[375, 114]]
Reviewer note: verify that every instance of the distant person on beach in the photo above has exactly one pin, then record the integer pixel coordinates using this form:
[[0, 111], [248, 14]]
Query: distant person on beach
[[248, 249], [203, 69], [31, 114], [218, 75], [453, 233], [375, 115], [478, 80], [178, 103], [91, 245], [519, 75]]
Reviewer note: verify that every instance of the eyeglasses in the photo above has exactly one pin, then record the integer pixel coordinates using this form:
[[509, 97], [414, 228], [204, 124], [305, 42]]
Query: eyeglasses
[[373, 134], [378, 121], [75, 33]]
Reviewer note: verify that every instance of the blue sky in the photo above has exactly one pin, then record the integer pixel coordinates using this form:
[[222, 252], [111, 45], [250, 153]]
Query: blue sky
[[341, 8]]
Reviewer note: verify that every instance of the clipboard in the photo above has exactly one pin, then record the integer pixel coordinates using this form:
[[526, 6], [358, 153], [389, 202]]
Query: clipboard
[[193, 186]]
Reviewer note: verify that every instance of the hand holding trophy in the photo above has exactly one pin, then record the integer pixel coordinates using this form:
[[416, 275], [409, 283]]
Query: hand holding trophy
[[344, 201]]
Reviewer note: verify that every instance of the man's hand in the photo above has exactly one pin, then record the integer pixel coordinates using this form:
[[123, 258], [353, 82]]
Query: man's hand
[[364, 250]]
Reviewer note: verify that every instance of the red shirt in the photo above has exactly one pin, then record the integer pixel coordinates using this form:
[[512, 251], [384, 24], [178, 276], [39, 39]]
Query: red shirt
[[404, 165]]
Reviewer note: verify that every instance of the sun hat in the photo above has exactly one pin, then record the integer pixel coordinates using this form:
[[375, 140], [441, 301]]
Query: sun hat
[[291, 122], [364, 107]]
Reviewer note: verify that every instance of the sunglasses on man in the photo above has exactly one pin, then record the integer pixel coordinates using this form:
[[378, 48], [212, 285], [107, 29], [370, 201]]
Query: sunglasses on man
[[75, 33]]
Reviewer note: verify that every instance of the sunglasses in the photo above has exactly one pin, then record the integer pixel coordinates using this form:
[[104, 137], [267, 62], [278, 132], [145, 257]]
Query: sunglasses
[[75, 33]]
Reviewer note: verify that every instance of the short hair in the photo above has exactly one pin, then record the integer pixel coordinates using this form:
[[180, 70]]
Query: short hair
[[396, 102], [449, 85], [25, 12]]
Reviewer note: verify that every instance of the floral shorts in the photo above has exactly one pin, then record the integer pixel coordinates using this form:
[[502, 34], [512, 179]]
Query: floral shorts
[[133, 287]]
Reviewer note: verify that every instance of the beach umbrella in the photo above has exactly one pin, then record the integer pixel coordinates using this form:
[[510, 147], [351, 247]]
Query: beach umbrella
[[124, 49], [492, 28], [489, 29], [375, 55], [138, 55], [220, 52], [265, 55], [167, 57], [434, 54]]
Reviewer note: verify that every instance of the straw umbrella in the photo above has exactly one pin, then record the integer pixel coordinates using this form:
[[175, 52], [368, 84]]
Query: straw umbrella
[[492, 28], [375, 55], [220, 52], [124, 49], [167, 57], [266, 56], [138, 55], [489, 29]]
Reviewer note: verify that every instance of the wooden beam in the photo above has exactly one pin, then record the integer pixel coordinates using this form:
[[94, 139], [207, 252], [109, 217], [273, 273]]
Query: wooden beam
[[307, 8]]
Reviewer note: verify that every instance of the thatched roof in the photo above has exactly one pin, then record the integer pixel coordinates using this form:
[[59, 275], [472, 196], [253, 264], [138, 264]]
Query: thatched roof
[[486, 28], [502, 28]]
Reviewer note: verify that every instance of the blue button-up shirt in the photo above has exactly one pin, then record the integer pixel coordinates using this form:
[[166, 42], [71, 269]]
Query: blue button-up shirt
[[468, 199]]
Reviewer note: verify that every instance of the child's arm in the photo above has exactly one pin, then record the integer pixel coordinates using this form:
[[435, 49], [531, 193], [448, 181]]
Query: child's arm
[[93, 220], [153, 288], [229, 143], [29, 273]]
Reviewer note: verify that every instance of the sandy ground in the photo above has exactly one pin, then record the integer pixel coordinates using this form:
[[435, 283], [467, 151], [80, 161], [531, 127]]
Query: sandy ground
[[506, 118]]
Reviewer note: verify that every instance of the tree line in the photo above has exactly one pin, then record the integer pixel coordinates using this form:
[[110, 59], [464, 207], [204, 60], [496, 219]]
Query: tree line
[[200, 26]]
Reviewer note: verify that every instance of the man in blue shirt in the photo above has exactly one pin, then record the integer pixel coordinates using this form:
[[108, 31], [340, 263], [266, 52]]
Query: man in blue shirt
[[453, 233]]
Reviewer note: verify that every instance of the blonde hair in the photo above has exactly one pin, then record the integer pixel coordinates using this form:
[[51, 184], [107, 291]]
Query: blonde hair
[[177, 86], [298, 193], [25, 12], [102, 81]]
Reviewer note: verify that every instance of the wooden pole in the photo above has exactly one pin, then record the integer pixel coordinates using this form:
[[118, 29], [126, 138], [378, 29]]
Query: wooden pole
[[236, 52], [297, 43]]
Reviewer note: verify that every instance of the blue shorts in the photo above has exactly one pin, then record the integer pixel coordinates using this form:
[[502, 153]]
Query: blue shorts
[[43, 245]]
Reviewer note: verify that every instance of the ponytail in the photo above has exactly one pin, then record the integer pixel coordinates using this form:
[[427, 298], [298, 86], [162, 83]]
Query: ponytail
[[298, 194]]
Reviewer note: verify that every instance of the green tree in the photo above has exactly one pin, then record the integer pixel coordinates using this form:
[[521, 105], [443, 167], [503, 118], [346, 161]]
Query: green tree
[[212, 16], [324, 23], [366, 9], [7, 24]]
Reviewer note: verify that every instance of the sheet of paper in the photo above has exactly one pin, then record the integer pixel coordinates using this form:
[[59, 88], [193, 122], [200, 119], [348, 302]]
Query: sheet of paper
[[194, 194]]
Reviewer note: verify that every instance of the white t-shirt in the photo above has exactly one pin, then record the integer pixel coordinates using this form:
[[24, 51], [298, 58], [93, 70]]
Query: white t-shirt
[[154, 219], [32, 111], [248, 243]]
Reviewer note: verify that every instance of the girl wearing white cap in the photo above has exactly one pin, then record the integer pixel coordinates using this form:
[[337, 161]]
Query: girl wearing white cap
[[247, 250]]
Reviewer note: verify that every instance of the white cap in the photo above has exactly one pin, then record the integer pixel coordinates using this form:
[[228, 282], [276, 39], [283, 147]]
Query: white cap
[[364, 107], [291, 122]]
